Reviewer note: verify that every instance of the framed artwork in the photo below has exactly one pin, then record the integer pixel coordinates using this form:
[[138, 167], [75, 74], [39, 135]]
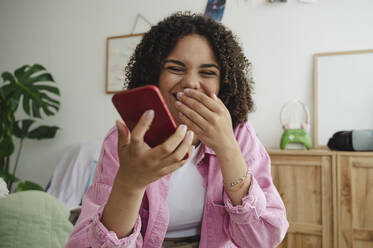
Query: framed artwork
[[343, 93], [118, 52]]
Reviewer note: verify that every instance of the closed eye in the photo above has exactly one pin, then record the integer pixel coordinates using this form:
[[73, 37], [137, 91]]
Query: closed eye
[[175, 69], [208, 73]]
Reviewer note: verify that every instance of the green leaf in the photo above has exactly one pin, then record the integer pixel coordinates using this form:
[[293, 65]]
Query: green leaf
[[2, 163], [47, 111], [2, 95], [46, 77], [7, 90], [14, 102], [33, 69], [26, 104], [52, 104], [28, 185], [22, 132], [51, 89], [43, 132], [21, 71], [6, 146], [36, 109], [7, 76], [8, 177], [35, 97], [57, 103]]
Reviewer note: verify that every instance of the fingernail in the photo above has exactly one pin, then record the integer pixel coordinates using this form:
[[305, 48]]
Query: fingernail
[[117, 123], [149, 114], [214, 96], [183, 128], [122, 122], [190, 135], [186, 91], [177, 103], [179, 95]]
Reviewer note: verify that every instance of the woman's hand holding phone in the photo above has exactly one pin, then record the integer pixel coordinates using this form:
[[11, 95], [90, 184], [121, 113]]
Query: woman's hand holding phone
[[141, 165]]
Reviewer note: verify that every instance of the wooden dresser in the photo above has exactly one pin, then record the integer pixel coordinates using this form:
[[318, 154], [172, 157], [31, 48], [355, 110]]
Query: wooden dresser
[[328, 197]]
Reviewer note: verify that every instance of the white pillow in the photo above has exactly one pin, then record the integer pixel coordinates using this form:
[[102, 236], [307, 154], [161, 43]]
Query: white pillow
[[3, 189]]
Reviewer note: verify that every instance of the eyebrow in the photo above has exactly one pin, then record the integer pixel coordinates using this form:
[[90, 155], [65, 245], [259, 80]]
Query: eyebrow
[[182, 64]]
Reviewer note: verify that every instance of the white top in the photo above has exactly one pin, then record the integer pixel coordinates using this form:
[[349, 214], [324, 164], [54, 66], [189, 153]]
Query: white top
[[185, 200]]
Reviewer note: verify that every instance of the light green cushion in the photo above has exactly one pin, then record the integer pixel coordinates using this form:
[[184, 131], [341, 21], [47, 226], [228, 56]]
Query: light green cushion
[[33, 219]]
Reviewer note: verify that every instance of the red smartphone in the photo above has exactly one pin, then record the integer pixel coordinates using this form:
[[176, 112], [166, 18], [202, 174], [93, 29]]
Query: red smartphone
[[131, 105]]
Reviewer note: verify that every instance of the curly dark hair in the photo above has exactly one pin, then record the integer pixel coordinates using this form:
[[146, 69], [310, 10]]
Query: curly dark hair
[[235, 81]]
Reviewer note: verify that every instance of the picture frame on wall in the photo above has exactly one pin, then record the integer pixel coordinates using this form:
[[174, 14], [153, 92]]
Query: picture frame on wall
[[118, 52], [343, 93]]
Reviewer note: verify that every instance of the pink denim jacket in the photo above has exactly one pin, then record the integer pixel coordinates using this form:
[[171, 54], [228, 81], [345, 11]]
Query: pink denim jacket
[[259, 222]]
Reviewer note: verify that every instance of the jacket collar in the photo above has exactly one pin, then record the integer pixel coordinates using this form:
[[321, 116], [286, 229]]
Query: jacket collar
[[208, 150], [204, 150]]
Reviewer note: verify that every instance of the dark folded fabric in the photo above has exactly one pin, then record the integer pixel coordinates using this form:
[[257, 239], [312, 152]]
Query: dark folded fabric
[[341, 141], [355, 140]]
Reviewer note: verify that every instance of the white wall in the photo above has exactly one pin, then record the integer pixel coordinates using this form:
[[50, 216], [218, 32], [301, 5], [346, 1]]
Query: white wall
[[68, 38]]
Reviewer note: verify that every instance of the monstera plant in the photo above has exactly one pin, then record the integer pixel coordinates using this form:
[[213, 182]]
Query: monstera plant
[[34, 87]]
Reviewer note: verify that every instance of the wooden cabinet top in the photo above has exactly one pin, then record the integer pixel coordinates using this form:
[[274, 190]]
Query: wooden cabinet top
[[316, 152]]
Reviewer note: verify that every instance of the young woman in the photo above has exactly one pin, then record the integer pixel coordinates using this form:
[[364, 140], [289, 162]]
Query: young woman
[[209, 184]]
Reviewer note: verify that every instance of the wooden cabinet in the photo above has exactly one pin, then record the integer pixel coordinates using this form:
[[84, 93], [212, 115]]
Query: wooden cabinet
[[305, 182], [328, 197], [355, 200]]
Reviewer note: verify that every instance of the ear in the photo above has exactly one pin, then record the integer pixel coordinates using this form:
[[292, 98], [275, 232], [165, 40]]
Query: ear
[[284, 126], [306, 126]]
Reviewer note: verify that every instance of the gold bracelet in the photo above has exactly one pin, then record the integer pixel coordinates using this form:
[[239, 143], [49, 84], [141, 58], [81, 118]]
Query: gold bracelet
[[238, 181]]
